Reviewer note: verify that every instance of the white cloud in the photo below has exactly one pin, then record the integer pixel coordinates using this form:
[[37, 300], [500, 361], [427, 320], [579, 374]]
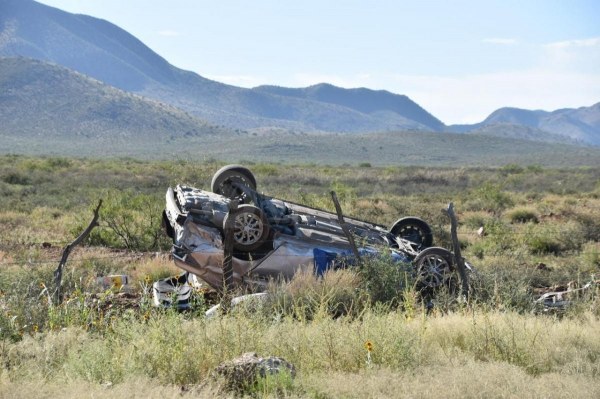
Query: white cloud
[[169, 33], [581, 55], [499, 40], [592, 42]]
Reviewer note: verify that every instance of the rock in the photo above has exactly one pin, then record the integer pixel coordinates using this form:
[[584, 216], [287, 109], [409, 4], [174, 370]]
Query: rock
[[244, 371]]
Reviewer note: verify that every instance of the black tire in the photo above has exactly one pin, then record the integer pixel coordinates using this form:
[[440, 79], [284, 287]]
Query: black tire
[[250, 228], [435, 268], [222, 182], [414, 230], [166, 225]]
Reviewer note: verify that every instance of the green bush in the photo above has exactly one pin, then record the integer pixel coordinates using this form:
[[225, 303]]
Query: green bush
[[384, 280], [542, 245], [16, 178], [522, 215], [307, 297], [128, 220], [489, 197]]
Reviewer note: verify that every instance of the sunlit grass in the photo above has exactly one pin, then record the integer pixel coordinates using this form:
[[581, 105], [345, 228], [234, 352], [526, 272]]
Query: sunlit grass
[[494, 347]]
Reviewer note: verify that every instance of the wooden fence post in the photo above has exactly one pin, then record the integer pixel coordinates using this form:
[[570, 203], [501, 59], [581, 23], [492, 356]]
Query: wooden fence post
[[228, 255], [344, 227], [458, 259], [67, 251]]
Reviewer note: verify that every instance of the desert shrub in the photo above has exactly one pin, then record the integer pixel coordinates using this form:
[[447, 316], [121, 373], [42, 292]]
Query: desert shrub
[[540, 245], [128, 220], [511, 168], [16, 178], [499, 238], [590, 226], [522, 215], [345, 193], [385, 281], [590, 255], [476, 220], [503, 286], [554, 239], [307, 296], [489, 197]]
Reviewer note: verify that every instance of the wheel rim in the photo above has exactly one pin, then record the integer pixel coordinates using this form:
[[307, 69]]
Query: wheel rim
[[227, 188], [433, 270], [248, 229], [412, 234]]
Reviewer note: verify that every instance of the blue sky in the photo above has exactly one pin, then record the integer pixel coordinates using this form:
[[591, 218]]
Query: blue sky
[[460, 60]]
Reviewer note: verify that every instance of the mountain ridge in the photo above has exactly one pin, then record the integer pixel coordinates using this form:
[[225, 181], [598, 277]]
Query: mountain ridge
[[577, 125], [50, 101], [106, 52]]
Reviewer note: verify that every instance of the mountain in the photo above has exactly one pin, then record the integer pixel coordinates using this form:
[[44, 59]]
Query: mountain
[[364, 100], [46, 109], [521, 132], [106, 52], [580, 125], [48, 102]]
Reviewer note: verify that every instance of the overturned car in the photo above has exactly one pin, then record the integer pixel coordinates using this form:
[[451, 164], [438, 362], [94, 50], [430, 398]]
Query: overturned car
[[273, 238]]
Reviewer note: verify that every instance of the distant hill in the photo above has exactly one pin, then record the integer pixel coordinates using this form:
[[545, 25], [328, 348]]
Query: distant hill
[[522, 132], [43, 101], [581, 125], [105, 52], [366, 101], [46, 109]]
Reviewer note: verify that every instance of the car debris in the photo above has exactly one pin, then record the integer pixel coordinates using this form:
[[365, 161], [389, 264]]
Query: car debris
[[560, 300], [176, 291], [255, 299], [274, 238]]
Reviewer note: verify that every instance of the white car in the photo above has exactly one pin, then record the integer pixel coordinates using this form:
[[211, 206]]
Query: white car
[[273, 238]]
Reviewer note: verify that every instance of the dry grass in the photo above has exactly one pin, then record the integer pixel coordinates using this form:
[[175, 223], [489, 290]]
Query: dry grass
[[455, 355], [495, 349], [463, 379]]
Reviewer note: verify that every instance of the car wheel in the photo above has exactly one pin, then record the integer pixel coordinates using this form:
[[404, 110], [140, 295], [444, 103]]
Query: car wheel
[[434, 268], [250, 227], [223, 182], [166, 225], [414, 230]]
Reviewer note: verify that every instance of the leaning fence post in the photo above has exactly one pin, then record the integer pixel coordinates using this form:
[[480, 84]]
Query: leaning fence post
[[67, 251], [458, 259], [344, 226], [228, 254]]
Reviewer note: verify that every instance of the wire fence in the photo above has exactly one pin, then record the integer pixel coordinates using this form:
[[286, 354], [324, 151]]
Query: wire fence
[[121, 256], [124, 255], [557, 233]]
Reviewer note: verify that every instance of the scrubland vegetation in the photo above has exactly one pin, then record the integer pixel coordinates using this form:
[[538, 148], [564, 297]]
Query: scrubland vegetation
[[541, 228]]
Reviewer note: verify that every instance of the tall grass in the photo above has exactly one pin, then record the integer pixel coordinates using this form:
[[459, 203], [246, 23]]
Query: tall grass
[[540, 229], [174, 350]]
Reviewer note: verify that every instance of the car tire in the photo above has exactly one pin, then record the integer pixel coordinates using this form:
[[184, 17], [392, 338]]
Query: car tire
[[250, 228], [435, 268], [222, 182], [414, 230]]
